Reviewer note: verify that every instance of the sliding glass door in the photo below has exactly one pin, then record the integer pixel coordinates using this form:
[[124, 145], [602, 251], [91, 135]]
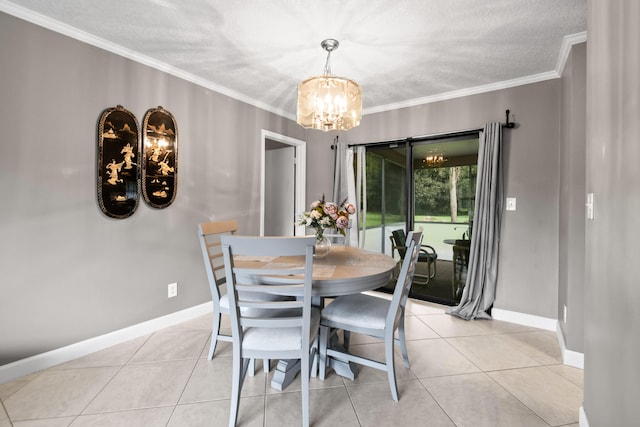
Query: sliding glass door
[[426, 185], [386, 195]]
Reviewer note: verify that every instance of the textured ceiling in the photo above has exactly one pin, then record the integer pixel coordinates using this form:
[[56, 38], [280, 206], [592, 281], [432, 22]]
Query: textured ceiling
[[402, 52]]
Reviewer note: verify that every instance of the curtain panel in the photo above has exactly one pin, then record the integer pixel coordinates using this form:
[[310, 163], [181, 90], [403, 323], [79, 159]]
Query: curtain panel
[[482, 274]]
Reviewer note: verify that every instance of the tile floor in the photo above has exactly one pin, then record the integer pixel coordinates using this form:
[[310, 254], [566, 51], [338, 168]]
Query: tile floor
[[477, 373]]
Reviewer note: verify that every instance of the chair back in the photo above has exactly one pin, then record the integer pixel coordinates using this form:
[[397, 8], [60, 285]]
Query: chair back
[[403, 284], [399, 242], [250, 271], [209, 234]]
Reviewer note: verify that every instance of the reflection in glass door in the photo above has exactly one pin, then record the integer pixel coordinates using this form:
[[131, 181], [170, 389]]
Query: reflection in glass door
[[426, 185], [386, 195], [443, 198]]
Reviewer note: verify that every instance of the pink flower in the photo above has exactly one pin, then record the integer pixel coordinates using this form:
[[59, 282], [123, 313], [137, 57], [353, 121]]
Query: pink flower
[[331, 209], [342, 222], [350, 208]]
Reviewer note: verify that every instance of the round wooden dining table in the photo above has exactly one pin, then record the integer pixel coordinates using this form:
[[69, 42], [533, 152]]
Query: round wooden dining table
[[346, 270]]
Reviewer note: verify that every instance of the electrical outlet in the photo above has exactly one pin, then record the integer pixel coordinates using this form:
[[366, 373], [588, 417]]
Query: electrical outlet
[[564, 315], [511, 203], [172, 290]]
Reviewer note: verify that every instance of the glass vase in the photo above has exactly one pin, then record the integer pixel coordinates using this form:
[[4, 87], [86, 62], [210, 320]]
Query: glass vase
[[323, 247]]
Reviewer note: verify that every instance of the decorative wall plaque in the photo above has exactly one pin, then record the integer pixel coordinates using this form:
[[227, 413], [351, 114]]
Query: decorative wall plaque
[[118, 154], [160, 158]]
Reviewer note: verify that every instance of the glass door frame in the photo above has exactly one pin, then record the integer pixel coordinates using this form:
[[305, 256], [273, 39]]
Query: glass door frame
[[409, 145]]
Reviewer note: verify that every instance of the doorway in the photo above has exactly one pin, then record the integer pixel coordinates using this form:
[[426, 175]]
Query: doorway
[[283, 183]]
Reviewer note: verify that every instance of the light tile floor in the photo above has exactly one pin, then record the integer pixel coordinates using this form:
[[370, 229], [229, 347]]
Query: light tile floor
[[477, 373]]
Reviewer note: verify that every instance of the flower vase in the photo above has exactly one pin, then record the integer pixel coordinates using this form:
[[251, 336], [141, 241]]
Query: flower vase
[[323, 247]]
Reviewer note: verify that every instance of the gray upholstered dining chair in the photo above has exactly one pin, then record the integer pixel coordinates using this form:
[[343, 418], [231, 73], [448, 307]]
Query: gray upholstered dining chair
[[373, 316], [209, 234], [284, 329]]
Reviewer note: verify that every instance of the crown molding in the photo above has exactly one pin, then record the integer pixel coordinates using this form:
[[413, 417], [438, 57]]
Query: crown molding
[[464, 92], [59, 27], [567, 43], [74, 33]]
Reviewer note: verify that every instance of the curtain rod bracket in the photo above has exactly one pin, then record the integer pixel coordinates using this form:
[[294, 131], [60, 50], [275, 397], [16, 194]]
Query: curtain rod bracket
[[508, 124]]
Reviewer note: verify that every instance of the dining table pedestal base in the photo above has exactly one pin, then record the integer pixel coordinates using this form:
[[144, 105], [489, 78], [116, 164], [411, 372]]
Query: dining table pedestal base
[[344, 369], [285, 373]]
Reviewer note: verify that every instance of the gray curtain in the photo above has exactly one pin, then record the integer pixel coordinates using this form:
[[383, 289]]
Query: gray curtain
[[482, 274], [344, 186]]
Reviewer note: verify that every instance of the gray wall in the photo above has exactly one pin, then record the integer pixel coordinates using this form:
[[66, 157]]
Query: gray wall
[[572, 198], [528, 265], [67, 272], [612, 294]]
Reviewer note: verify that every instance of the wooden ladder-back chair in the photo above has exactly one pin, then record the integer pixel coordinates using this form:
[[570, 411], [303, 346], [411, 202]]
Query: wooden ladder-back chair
[[209, 234]]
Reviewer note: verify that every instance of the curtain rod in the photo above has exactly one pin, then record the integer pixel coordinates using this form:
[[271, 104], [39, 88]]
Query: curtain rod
[[508, 125]]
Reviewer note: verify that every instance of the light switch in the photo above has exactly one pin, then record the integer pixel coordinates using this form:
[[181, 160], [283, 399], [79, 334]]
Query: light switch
[[511, 203], [589, 206]]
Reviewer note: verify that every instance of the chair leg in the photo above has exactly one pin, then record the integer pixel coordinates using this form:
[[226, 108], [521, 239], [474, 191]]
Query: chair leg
[[347, 338], [403, 342], [236, 387], [434, 264], [315, 359], [251, 368], [215, 331], [391, 372], [304, 377], [266, 366], [322, 363]]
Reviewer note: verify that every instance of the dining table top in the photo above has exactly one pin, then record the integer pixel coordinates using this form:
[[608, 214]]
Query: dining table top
[[346, 270]]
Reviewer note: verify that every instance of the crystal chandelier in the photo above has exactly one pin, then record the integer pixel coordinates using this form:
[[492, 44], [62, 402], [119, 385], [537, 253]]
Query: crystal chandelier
[[433, 159], [328, 102]]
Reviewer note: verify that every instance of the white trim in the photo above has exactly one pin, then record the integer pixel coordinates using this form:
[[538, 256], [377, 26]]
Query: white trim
[[67, 30], [549, 75], [582, 418], [565, 49], [525, 319], [20, 368], [569, 357], [301, 173], [74, 33]]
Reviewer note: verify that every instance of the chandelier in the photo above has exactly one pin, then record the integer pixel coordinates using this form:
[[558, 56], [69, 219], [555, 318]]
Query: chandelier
[[433, 159], [328, 102]]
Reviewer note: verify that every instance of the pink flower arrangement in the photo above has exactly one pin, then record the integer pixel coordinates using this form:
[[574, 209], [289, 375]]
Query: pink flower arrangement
[[323, 215]]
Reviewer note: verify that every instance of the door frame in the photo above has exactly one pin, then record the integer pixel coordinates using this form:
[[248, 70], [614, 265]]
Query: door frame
[[300, 174]]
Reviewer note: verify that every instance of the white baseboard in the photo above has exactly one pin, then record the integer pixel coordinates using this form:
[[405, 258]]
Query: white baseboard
[[525, 319], [30, 365], [582, 418], [569, 358]]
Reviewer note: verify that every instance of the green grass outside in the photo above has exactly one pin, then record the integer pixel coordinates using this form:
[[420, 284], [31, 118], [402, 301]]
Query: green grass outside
[[374, 219]]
